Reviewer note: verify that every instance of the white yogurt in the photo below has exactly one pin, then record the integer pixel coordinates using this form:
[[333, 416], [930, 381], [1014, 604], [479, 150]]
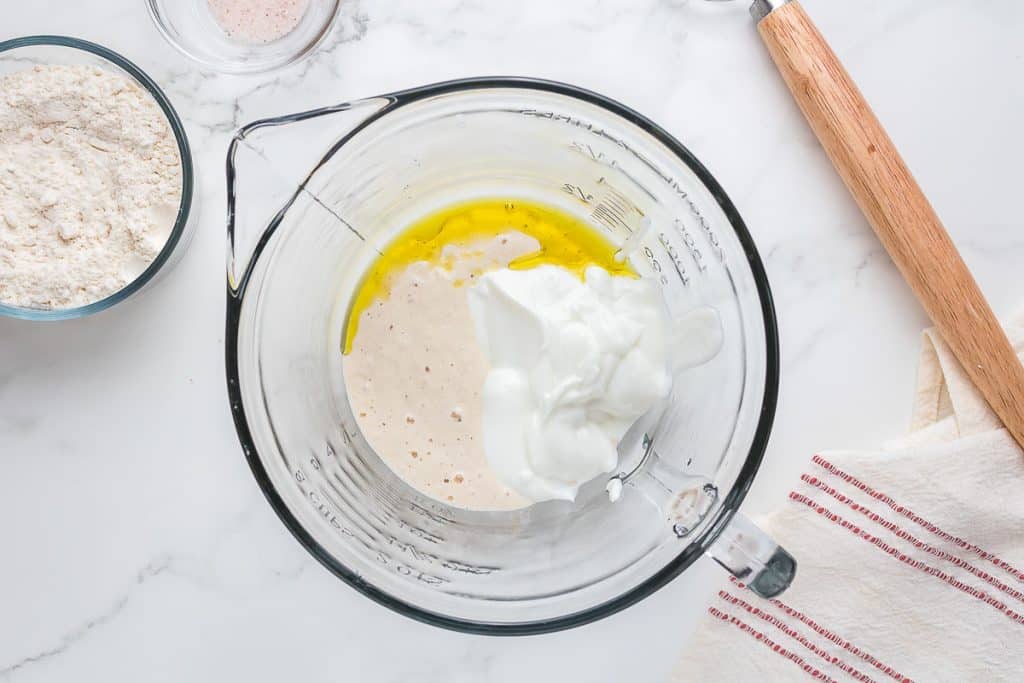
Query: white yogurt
[[573, 365]]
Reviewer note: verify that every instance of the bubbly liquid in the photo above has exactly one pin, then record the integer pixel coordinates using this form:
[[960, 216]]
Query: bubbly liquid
[[413, 369]]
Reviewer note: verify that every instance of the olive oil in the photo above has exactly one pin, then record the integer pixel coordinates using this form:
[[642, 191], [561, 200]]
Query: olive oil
[[563, 240]]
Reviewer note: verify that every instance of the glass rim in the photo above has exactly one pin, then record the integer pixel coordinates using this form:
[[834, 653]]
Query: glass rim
[[730, 503], [239, 68], [187, 178]]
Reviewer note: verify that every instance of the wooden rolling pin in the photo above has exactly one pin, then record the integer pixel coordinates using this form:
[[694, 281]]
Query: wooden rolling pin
[[893, 202]]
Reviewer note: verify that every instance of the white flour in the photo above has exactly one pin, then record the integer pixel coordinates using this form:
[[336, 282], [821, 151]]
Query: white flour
[[90, 183]]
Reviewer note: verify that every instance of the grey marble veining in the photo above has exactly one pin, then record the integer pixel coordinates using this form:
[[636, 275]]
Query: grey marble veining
[[107, 423]]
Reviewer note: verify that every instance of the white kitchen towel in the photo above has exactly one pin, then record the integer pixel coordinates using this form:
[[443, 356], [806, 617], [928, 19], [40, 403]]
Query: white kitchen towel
[[911, 559]]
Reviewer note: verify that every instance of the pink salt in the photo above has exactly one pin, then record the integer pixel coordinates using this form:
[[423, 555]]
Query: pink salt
[[258, 21]]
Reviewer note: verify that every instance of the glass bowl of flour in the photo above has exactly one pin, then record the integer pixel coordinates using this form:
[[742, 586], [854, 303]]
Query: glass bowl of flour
[[244, 36], [96, 179]]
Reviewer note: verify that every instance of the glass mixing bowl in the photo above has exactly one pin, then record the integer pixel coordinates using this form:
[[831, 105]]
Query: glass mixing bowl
[[20, 54], [313, 196]]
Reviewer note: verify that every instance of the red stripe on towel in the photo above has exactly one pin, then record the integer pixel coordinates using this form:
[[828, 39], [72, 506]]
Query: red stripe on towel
[[834, 638], [901, 510], [775, 647], [916, 542], [904, 558], [794, 634]]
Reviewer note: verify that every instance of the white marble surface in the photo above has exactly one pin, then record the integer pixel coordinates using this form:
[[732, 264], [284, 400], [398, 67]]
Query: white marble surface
[[109, 425]]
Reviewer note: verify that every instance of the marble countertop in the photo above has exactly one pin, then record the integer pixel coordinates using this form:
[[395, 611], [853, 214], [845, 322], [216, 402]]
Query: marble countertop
[[107, 423]]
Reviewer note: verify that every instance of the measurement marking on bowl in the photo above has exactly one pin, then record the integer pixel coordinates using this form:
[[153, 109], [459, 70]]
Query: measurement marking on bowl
[[705, 227], [322, 508], [417, 532], [655, 265], [412, 550], [616, 201], [673, 255], [406, 570], [612, 208], [586, 150], [457, 566], [578, 192], [691, 246], [325, 511]]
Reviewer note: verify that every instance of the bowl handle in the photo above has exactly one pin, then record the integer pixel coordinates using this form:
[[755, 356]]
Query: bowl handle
[[753, 557]]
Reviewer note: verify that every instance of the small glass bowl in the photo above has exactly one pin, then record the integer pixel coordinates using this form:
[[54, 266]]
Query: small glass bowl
[[190, 26], [19, 54]]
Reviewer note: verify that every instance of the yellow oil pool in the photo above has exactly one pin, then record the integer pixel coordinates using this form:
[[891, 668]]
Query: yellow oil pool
[[564, 241]]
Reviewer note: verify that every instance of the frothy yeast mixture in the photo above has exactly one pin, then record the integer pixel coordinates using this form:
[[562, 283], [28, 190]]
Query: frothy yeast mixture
[[413, 367]]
